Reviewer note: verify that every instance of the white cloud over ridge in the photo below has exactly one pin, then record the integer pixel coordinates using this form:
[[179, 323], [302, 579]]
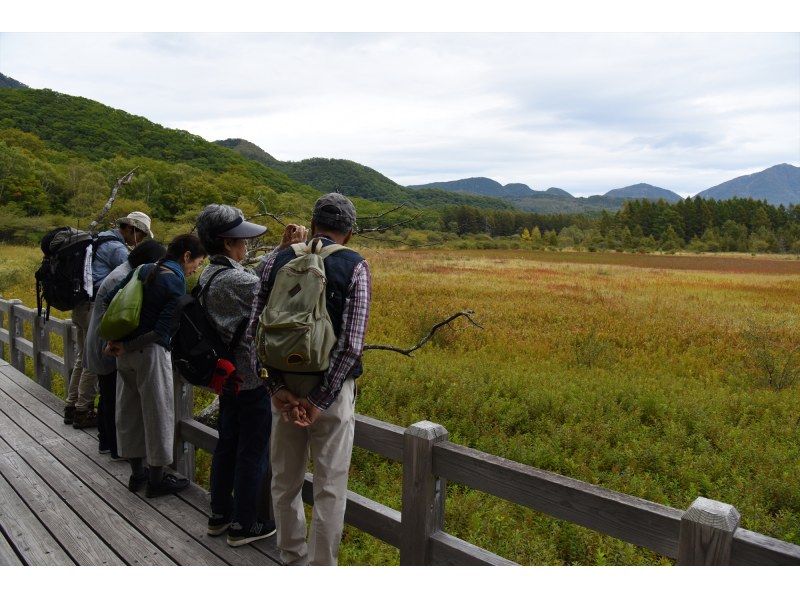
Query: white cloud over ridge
[[585, 112]]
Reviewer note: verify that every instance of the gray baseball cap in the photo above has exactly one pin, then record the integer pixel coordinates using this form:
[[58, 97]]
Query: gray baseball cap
[[334, 210]]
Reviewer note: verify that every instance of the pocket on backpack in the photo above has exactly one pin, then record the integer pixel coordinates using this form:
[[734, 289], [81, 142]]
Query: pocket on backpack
[[288, 347]]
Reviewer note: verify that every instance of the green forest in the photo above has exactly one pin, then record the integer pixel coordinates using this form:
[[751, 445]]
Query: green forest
[[60, 155]]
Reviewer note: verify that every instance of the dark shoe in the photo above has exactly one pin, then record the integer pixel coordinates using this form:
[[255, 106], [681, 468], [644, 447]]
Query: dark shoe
[[238, 536], [217, 524], [85, 419], [169, 483], [69, 414], [135, 482], [115, 457], [104, 451]]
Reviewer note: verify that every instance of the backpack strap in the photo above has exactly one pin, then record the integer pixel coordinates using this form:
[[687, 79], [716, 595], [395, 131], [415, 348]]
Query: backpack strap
[[201, 295], [315, 246]]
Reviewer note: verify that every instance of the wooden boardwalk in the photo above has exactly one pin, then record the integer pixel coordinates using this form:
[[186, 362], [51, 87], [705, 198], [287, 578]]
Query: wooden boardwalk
[[63, 503]]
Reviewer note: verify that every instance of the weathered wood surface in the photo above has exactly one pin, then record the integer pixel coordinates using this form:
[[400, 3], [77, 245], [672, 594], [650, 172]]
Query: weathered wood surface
[[182, 452], [7, 555], [628, 518], [30, 538], [163, 530], [449, 550], [751, 548], [423, 493], [706, 535], [379, 437]]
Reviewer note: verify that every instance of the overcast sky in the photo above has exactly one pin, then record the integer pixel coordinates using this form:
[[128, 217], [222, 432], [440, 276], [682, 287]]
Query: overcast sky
[[583, 112]]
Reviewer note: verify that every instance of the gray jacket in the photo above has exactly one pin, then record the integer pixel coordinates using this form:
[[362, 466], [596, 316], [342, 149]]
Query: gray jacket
[[227, 303], [95, 361]]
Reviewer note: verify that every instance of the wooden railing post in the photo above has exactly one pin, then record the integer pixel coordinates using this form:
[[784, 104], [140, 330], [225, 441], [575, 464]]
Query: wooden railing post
[[423, 493], [182, 451], [16, 357], [41, 343], [2, 326], [68, 337], [706, 534]]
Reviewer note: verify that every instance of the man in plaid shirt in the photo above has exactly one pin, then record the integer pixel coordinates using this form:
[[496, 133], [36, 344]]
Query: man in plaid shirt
[[312, 411]]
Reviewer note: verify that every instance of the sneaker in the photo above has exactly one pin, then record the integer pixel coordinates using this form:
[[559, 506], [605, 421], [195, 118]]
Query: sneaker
[[169, 484], [217, 524], [104, 451], [85, 419], [238, 536], [69, 414], [135, 482], [115, 457]]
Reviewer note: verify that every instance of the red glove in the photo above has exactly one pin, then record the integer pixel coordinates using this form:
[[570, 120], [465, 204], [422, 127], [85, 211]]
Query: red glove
[[224, 376]]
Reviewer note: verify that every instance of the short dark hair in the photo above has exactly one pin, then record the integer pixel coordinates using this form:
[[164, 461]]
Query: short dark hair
[[146, 252]]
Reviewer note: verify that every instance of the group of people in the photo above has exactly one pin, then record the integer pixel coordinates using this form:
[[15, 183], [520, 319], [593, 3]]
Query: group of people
[[269, 416]]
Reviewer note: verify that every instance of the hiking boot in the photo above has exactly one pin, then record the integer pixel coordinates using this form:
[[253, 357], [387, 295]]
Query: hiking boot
[[69, 414], [85, 419], [135, 482], [169, 484], [238, 536], [217, 524]]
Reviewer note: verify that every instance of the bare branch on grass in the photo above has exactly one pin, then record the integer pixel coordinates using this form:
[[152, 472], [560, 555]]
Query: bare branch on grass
[[467, 313]]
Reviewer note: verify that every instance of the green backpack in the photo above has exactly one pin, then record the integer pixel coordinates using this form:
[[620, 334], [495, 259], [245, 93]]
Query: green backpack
[[122, 316], [294, 332]]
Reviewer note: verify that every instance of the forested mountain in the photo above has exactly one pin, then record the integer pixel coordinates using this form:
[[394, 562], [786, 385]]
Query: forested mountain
[[9, 83], [643, 191], [777, 184], [491, 188], [352, 178]]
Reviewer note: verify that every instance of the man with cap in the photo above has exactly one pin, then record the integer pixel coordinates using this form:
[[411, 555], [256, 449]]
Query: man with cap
[[111, 250], [241, 456], [317, 412]]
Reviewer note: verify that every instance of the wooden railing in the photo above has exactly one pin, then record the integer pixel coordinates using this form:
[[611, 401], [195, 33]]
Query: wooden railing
[[707, 533]]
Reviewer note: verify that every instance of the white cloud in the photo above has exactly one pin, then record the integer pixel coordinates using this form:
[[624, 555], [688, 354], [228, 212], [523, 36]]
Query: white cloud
[[585, 112]]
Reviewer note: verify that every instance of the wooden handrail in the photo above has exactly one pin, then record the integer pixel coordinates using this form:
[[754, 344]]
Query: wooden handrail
[[706, 533]]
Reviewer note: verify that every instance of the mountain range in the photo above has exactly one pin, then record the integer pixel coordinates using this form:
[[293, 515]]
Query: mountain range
[[114, 132]]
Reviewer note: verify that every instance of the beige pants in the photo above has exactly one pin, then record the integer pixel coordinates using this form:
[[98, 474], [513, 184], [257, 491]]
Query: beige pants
[[330, 440], [82, 383], [145, 412]]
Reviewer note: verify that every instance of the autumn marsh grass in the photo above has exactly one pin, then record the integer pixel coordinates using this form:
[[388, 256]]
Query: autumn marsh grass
[[633, 372]]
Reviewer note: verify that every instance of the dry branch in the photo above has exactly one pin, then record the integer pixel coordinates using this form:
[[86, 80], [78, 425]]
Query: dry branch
[[467, 313], [122, 181]]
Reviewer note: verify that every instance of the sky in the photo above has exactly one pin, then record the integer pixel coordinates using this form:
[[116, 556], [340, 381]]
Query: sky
[[585, 112]]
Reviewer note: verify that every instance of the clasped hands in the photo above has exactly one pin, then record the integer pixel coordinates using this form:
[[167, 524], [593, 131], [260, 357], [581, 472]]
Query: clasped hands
[[298, 410]]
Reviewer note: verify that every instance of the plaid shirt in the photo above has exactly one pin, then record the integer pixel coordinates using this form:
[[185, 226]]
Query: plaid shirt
[[349, 345]]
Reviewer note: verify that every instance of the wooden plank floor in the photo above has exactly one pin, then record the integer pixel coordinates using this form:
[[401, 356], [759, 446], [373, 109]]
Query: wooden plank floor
[[63, 503]]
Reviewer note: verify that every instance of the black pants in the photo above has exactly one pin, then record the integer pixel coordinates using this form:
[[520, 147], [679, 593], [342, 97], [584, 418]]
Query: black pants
[[242, 455], [106, 424]]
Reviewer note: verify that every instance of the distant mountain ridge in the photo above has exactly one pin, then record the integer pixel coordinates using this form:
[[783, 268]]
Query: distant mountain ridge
[[9, 83], [777, 184], [352, 178], [490, 187], [643, 191]]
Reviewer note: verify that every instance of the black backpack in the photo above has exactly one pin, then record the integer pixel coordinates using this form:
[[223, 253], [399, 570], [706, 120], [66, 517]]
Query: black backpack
[[196, 345], [60, 278]]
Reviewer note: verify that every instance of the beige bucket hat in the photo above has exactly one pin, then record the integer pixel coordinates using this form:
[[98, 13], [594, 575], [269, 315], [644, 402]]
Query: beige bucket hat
[[138, 220]]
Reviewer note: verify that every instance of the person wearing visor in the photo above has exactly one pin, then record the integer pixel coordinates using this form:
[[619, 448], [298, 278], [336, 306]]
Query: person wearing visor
[[241, 456]]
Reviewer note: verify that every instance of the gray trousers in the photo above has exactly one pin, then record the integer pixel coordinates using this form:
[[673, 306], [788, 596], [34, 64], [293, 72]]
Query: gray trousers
[[145, 411], [330, 441], [82, 383]]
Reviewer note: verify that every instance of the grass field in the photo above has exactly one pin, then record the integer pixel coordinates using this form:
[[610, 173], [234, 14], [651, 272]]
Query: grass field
[[644, 374]]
